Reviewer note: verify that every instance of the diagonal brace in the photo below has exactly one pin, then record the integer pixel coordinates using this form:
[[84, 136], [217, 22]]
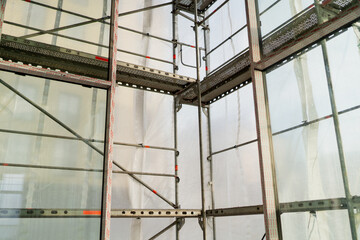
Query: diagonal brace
[[86, 141], [179, 222], [102, 20]]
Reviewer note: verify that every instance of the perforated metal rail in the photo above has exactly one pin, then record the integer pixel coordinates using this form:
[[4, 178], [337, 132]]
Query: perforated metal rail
[[91, 213]]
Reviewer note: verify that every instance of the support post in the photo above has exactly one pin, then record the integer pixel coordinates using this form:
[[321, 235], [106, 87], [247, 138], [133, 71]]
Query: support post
[[264, 135], [203, 214], [206, 30], [2, 15], [211, 171], [175, 69], [109, 134], [176, 165], [335, 114]]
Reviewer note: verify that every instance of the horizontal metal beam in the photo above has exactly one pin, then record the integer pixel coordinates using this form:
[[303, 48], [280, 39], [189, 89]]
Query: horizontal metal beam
[[146, 173], [46, 135], [233, 147], [236, 211], [307, 123], [319, 205], [140, 145], [290, 207], [52, 74], [48, 213], [50, 167], [22, 165], [77, 139], [88, 213], [151, 213]]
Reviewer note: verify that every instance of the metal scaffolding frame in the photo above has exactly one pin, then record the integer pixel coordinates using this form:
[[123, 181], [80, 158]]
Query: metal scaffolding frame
[[249, 66]]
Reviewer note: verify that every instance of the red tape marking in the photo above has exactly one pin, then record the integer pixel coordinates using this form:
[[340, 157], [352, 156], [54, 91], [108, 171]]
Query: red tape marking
[[174, 56], [85, 212], [147, 57], [146, 146], [176, 167], [101, 58], [5, 164], [27, 0], [192, 46], [206, 68], [154, 191]]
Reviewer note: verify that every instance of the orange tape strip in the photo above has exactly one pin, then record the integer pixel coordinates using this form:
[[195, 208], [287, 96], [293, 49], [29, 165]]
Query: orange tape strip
[[85, 212]]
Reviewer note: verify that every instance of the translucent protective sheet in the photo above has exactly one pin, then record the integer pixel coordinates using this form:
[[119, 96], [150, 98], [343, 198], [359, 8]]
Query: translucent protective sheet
[[225, 22], [30, 187], [344, 55], [54, 229], [43, 18], [306, 154], [320, 225], [144, 117], [240, 227], [236, 176], [276, 12]]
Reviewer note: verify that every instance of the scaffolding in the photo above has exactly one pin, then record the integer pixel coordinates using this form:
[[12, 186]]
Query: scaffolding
[[306, 30]]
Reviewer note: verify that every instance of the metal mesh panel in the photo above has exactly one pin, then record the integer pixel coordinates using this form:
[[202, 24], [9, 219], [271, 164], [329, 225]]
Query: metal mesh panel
[[202, 4], [223, 75], [220, 81], [290, 32], [35, 53], [338, 3]]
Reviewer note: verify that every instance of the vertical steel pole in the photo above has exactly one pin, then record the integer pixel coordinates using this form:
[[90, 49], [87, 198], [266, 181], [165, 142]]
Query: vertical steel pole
[[2, 15], [211, 172], [95, 90], [264, 135], [206, 30], [57, 21], [109, 134], [176, 154], [175, 69], [174, 34], [200, 118], [350, 206]]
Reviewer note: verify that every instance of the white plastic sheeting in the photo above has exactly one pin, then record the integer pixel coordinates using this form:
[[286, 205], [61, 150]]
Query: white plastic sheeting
[[22, 187], [306, 158], [236, 172], [307, 161]]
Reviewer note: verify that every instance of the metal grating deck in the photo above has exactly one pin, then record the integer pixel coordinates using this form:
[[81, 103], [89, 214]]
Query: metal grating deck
[[203, 5], [236, 74], [53, 57]]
